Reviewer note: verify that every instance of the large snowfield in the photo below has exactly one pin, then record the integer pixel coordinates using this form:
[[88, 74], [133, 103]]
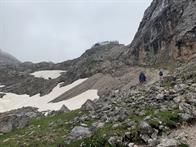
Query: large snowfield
[[46, 74], [13, 101]]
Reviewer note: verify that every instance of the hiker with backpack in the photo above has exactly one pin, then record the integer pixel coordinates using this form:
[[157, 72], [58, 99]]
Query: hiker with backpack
[[142, 78], [161, 77]]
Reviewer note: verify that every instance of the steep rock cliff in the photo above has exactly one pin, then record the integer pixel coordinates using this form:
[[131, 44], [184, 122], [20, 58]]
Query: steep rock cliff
[[167, 32]]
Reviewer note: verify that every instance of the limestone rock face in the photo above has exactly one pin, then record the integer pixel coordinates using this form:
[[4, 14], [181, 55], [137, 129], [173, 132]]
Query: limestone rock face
[[167, 32]]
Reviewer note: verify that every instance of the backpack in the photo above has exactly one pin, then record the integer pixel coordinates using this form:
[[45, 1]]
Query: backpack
[[160, 73], [142, 77]]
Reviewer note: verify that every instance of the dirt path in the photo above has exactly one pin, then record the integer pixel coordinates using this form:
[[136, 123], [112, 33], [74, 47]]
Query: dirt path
[[104, 83], [187, 133]]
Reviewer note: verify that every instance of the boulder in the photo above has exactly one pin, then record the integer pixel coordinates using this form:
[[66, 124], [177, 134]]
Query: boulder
[[88, 105], [112, 140], [145, 128], [180, 87], [17, 119], [64, 109], [79, 132], [186, 117], [2, 95], [131, 145]]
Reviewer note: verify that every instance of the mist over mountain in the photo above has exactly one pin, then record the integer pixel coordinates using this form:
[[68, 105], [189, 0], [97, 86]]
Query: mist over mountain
[[6, 58]]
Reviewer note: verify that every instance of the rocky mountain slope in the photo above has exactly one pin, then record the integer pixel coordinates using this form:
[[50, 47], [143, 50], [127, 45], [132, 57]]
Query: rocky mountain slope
[[6, 58], [16, 78], [140, 115], [166, 36], [102, 57], [166, 33], [126, 114]]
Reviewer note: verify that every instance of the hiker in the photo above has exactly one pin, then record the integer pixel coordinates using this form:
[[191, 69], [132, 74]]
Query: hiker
[[161, 77], [142, 78]]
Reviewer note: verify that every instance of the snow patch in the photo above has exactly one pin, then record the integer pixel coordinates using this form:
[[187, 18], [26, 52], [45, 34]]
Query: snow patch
[[13, 101], [48, 74]]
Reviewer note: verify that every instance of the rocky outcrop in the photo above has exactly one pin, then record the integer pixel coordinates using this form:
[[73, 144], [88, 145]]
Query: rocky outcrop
[[17, 79], [101, 58], [63, 109], [88, 105], [166, 33], [17, 119], [32, 86]]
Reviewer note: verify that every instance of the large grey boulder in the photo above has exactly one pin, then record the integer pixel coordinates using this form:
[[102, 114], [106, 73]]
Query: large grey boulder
[[17, 119], [88, 105], [186, 117], [145, 128], [114, 140], [79, 132], [64, 109], [180, 87]]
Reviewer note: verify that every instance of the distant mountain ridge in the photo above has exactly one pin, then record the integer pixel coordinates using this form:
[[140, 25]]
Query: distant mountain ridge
[[6, 58]]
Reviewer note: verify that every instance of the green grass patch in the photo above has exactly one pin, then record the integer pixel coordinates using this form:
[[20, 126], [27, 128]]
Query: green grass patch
[[183, 145], [166, 118], [101, 136], [49, 131]]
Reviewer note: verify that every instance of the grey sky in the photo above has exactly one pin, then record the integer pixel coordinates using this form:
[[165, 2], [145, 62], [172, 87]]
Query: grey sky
[[57, 30]]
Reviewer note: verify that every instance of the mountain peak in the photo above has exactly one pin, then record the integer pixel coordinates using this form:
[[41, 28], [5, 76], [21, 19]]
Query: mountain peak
[[6, 58]]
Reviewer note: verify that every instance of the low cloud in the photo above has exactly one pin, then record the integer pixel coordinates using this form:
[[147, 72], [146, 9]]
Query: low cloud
[[57, 30]]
